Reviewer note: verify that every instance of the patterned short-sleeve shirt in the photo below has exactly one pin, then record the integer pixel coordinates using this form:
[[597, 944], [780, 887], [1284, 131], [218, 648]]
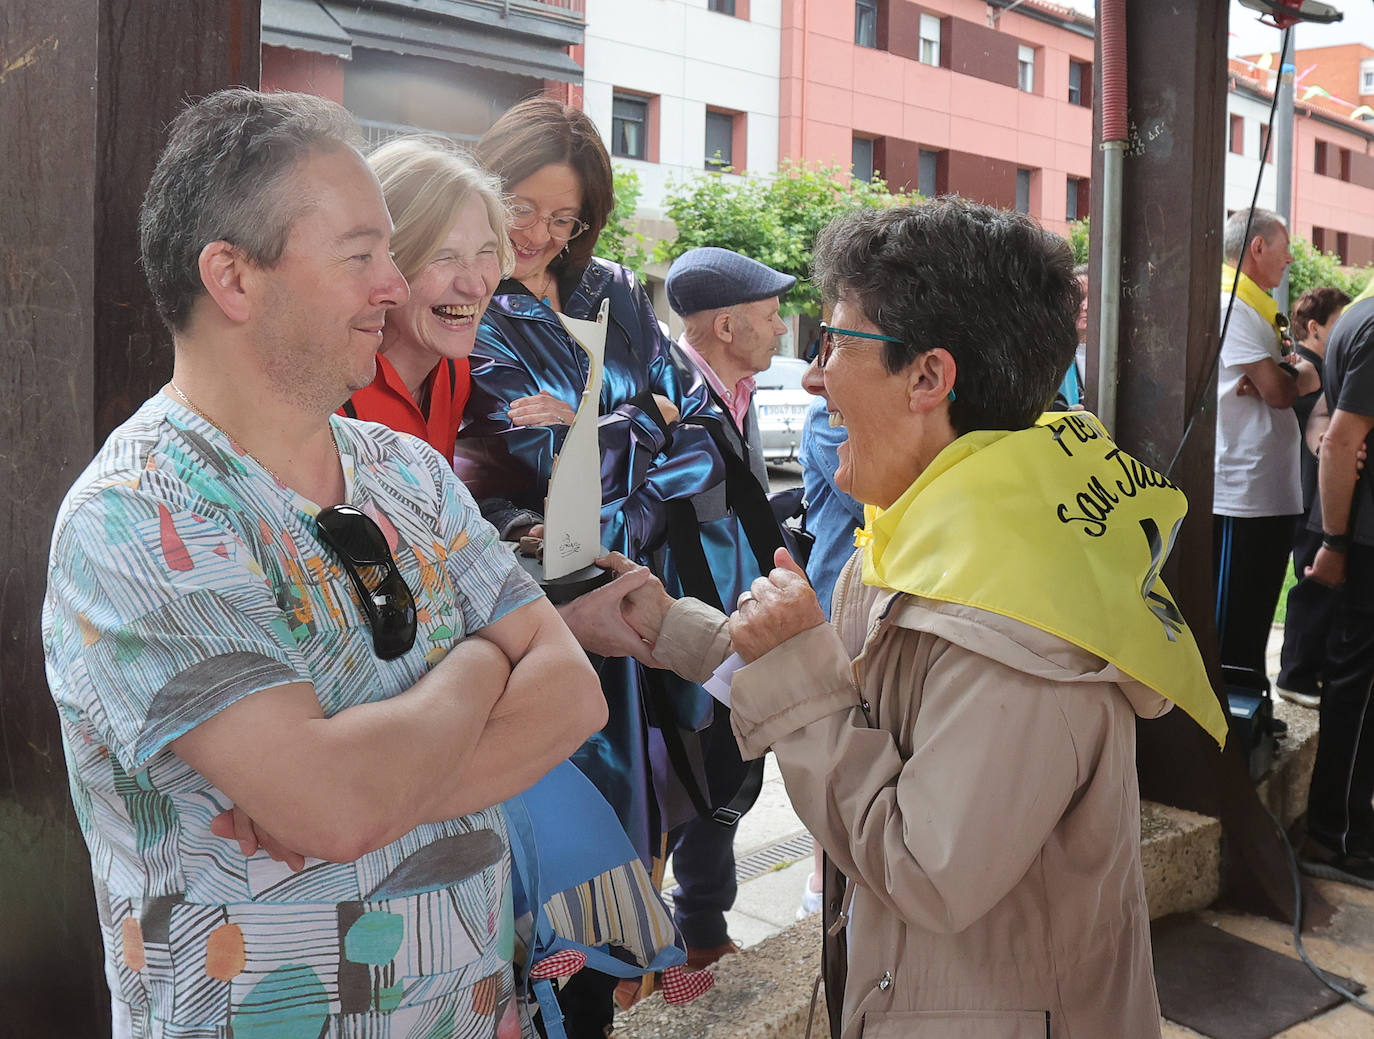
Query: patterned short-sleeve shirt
[[183, 578]]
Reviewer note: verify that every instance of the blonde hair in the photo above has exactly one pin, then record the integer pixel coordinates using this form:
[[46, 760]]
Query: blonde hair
[[426, 180]]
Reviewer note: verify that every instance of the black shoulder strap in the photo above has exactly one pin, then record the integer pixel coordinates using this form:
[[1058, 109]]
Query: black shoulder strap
[[748, 501], [349, 409], [745, 496]]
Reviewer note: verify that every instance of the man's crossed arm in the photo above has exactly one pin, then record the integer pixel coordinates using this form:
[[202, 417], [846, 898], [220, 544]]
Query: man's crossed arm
[[502, 708]]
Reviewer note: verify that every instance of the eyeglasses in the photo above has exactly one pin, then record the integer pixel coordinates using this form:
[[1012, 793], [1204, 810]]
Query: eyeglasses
[[828, 334], [389, 605], [564, 228]]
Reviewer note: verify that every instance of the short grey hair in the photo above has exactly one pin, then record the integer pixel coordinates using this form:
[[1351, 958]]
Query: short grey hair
[[990, 286], [1264, 224], [224, 177]]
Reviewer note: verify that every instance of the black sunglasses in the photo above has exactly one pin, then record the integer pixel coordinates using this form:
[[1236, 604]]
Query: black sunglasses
[[389, 606]]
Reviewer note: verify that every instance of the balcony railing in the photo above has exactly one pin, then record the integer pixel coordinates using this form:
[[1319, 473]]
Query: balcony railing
[[573, 10]]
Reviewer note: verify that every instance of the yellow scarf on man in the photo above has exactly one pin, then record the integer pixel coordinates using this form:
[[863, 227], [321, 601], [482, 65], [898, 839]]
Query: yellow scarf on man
[[1248, 292], [1058, 528]]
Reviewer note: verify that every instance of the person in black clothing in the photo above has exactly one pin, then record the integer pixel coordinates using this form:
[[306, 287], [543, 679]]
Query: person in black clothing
[[1308, 616], [1340, 817]]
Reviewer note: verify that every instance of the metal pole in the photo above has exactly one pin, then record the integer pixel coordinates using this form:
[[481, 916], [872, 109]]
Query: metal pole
[[1283, 150], [1109, 283]]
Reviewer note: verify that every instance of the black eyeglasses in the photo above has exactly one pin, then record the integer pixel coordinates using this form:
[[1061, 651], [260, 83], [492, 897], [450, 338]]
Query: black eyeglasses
[[389, 605], [828, 334]]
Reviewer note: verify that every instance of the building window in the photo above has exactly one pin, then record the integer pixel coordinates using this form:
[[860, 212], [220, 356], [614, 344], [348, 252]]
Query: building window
[[1023, 191], [1367, 76], [1237, 135], [1080, 83], [866, 23], [1319, 157], [629, 126], [1070, 200], [720, 141], [929, 53], [721, 6], [1344, 173], [1025, 68], [863, 158], [928, 174]]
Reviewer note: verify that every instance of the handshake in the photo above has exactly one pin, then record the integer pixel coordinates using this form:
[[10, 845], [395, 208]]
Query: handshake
[[625, 617]]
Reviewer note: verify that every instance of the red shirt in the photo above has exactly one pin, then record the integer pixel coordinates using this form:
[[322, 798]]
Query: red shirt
[[386, 400]]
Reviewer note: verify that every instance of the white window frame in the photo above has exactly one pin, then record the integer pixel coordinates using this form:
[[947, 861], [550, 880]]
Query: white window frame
[[930, 40], [1025, 68], [1367, 76]]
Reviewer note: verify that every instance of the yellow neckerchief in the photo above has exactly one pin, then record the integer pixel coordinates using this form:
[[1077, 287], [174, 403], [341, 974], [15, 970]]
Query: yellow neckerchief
[[1058, 528], [1250, 293], [1365, 292]]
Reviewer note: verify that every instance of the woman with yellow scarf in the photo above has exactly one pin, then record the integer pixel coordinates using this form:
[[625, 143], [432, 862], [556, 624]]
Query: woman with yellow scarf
[[961, 739]]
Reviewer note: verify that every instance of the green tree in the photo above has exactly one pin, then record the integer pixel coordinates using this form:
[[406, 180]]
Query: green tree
[[1078, 238], [619, 240], [774, 220], [1313, 269]]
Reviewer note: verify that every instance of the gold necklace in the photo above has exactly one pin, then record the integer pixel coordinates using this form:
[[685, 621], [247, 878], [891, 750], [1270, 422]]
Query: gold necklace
[[270, 471], [548, 284]]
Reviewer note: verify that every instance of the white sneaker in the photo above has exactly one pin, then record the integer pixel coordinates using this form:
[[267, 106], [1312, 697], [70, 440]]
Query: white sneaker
[[1301, 699], [810, 900]]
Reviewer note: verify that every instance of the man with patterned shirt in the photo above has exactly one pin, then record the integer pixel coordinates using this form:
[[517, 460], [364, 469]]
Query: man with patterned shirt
[[255, 606]]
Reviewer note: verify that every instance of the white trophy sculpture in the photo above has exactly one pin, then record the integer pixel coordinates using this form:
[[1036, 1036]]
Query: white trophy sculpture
[[572, 507]]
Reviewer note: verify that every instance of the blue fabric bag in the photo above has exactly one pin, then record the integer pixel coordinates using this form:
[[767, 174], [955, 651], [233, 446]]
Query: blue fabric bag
[[578, 885]]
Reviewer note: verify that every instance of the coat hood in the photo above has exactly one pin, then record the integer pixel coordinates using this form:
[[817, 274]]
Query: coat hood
[[1019, 646]]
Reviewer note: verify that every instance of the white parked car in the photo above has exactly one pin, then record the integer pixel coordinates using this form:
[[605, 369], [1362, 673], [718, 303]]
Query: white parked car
[[782, 406]]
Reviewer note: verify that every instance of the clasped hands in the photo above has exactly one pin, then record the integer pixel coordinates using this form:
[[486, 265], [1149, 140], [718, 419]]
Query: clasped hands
[[774, 608]]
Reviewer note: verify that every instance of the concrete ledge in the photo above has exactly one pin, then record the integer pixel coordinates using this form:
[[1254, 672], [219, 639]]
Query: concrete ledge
[[765, 991], [1284, 789], [1180, 855]]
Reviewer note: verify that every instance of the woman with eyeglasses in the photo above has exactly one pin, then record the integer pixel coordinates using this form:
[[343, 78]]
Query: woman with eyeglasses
[[960, 735], [527, 378]]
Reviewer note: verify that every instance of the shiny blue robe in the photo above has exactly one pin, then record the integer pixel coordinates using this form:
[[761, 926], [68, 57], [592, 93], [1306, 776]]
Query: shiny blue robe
[[523, 349]]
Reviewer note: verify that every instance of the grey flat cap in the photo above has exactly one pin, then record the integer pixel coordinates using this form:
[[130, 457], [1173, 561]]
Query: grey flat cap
[[709, 278]]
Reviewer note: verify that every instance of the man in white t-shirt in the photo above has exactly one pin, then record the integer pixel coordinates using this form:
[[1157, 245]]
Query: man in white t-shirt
[[1258, 491]]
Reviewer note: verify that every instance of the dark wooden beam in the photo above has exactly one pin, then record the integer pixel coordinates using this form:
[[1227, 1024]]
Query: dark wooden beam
[[1170, 278], [86, 90]]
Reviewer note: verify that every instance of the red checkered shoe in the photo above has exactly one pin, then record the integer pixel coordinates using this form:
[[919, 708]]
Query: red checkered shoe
[[681, 985]]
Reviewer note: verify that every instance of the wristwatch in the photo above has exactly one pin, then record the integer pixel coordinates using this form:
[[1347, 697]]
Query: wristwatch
[[1336, 542]]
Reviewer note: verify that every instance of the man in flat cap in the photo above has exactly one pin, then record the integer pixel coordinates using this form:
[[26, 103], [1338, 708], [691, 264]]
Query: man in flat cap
[[729, 304]]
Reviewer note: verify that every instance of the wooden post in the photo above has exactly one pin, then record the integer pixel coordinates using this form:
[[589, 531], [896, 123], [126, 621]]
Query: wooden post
[[86, 90], [1170, 278]]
